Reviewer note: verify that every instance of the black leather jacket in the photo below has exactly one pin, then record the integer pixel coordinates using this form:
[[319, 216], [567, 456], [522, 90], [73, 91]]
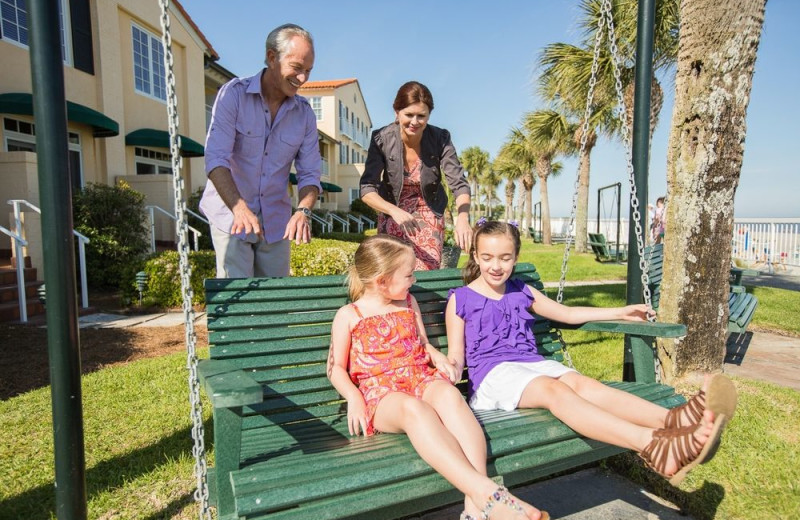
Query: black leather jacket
[[383, 171]]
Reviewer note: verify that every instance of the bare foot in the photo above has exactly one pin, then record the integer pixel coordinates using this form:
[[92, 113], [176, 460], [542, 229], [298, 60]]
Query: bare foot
[[502, 505]]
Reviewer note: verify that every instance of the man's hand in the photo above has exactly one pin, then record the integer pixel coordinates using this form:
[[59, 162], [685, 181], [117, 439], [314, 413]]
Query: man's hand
[[298, 228], [244, 220]]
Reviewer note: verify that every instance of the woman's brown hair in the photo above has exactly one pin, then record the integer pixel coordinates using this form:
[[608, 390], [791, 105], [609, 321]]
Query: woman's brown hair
[[412, 92]]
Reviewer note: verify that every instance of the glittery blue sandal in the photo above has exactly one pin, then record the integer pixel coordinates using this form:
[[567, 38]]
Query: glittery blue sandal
[[501, 496]]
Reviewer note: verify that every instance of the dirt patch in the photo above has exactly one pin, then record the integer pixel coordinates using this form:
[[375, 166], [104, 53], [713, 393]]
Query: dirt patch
[[24, 363]]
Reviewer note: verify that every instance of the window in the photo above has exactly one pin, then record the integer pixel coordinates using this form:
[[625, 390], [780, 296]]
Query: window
[[151, 162], [20, 136], [149, 75], [354, 194], [316, 106], [14, 25]]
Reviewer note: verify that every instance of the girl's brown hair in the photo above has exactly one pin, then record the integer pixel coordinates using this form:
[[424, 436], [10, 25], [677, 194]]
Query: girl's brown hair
[[377, 256], [410, 93], [472, 270]]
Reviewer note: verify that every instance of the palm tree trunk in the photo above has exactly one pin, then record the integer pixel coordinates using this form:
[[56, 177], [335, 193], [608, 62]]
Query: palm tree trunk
[[510, 188], [543, 171], [718, 42], [582, 211]]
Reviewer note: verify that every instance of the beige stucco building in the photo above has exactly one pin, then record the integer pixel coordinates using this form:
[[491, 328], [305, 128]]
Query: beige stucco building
[[341, 114]]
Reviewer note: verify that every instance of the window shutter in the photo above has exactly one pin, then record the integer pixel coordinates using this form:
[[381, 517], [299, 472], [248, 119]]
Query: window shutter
[[82, 53]]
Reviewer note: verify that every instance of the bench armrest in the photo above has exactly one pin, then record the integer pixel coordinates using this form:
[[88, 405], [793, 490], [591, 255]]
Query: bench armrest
[[228, 386], [635, 328]]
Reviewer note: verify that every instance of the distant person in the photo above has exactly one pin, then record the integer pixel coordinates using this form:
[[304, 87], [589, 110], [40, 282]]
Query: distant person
[[395, 381], [259, 126], [402, 178], [490, 328], [659, 221]]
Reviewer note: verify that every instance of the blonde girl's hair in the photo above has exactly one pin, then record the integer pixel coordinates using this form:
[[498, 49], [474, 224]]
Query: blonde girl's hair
[[472, 270], [377, 256]]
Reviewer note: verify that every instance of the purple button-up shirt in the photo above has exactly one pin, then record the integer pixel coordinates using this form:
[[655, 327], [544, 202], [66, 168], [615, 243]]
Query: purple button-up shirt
[[258, 148]]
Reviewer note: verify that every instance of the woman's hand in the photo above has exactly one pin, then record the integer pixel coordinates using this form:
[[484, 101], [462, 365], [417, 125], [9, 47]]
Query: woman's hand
[[463, 231], [406, 221], [357, 415], [444, 366]]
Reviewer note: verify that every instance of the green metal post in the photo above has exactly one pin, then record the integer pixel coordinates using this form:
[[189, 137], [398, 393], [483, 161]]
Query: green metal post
[[50, 110], [641, 151]]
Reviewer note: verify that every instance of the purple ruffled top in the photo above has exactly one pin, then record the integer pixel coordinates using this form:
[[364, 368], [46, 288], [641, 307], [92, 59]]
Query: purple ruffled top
[[496, 330]]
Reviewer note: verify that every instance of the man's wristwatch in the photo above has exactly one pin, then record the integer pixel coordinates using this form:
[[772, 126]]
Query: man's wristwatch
[[306, 211]]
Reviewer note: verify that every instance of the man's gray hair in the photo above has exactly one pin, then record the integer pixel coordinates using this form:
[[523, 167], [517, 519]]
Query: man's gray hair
[[278, 39]]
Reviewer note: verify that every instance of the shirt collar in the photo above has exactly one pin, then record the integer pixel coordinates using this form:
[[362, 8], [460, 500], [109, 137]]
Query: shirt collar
[[255, 88]]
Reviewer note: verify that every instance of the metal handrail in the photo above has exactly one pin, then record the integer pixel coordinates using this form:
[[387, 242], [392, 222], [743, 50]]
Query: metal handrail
[[195, 232], [82, 241], [345, 224], [322, 222], [19, 243], [370, 222], [357, 221]]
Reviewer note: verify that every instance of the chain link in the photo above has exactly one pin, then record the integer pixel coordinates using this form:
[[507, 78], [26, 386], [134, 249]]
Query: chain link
[[196, 412]]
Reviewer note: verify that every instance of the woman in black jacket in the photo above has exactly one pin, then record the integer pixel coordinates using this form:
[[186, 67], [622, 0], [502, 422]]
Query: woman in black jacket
[[402, 178]]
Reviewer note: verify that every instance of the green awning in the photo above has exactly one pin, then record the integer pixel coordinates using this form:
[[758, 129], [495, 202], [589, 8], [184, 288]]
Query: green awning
[[326, 186], [22, 103], [160, 139]]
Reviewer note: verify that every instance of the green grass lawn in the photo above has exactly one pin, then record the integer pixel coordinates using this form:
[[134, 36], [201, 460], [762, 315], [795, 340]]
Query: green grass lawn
[[138, 446]]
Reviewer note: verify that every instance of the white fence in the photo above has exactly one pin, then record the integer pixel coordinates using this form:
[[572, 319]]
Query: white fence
[[772, 243], [767, 243]]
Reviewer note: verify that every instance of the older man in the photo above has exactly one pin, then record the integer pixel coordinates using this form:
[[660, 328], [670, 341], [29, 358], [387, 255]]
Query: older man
[[259, 126]]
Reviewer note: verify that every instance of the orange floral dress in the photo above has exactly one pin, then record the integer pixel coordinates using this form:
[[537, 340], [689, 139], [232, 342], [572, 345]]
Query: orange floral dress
[[386, 356], [429, 239]]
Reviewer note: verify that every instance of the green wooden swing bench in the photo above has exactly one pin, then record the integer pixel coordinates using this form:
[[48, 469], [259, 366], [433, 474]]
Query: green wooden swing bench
[[281, 446], [605, 251], [741, 304]]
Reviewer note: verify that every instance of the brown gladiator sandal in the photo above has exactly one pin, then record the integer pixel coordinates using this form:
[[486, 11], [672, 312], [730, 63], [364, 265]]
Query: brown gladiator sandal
[[721, 400], [686, 449], [694, 409]]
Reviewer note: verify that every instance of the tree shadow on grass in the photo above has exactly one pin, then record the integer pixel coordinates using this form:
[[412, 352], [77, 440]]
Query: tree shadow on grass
[[39, 502]]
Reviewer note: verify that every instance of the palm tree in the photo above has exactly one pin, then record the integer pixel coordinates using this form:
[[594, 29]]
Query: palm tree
[[510, 167], [489, 182], [565, 81], [475, 161], [519, 150], [566, 73], [550, 135]]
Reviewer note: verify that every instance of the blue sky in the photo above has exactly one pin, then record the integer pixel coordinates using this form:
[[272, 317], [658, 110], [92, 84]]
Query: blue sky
[[478, 58]]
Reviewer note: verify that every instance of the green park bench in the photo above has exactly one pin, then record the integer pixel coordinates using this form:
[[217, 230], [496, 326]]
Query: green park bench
[[741, 304], [605, 251], [281, 445]]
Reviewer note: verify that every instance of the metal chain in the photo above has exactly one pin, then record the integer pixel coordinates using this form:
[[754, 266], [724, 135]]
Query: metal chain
[[584, 138], [196, 412], [606, 16]]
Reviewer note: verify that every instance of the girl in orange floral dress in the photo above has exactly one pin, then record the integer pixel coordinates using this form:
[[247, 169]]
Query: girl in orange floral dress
[[394, 381]]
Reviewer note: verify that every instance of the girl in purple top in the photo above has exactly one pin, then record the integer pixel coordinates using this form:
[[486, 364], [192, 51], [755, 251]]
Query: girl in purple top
[[490, 327]]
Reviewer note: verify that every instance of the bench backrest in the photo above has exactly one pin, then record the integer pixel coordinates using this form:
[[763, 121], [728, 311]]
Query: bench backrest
[[655, 257], [278, 330]]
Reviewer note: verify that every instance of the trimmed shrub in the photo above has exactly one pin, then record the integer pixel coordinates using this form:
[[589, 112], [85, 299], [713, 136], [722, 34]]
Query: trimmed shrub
[[344, 237], [321, 257], [164, 278], [114, 220]]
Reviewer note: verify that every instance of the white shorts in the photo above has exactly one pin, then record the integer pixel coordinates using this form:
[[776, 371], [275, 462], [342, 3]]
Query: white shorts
[[503, 386]]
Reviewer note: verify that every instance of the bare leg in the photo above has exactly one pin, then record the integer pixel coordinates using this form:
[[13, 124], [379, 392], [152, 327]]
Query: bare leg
[[398, 412], [594, 422], [459, 420], [626, 406]]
